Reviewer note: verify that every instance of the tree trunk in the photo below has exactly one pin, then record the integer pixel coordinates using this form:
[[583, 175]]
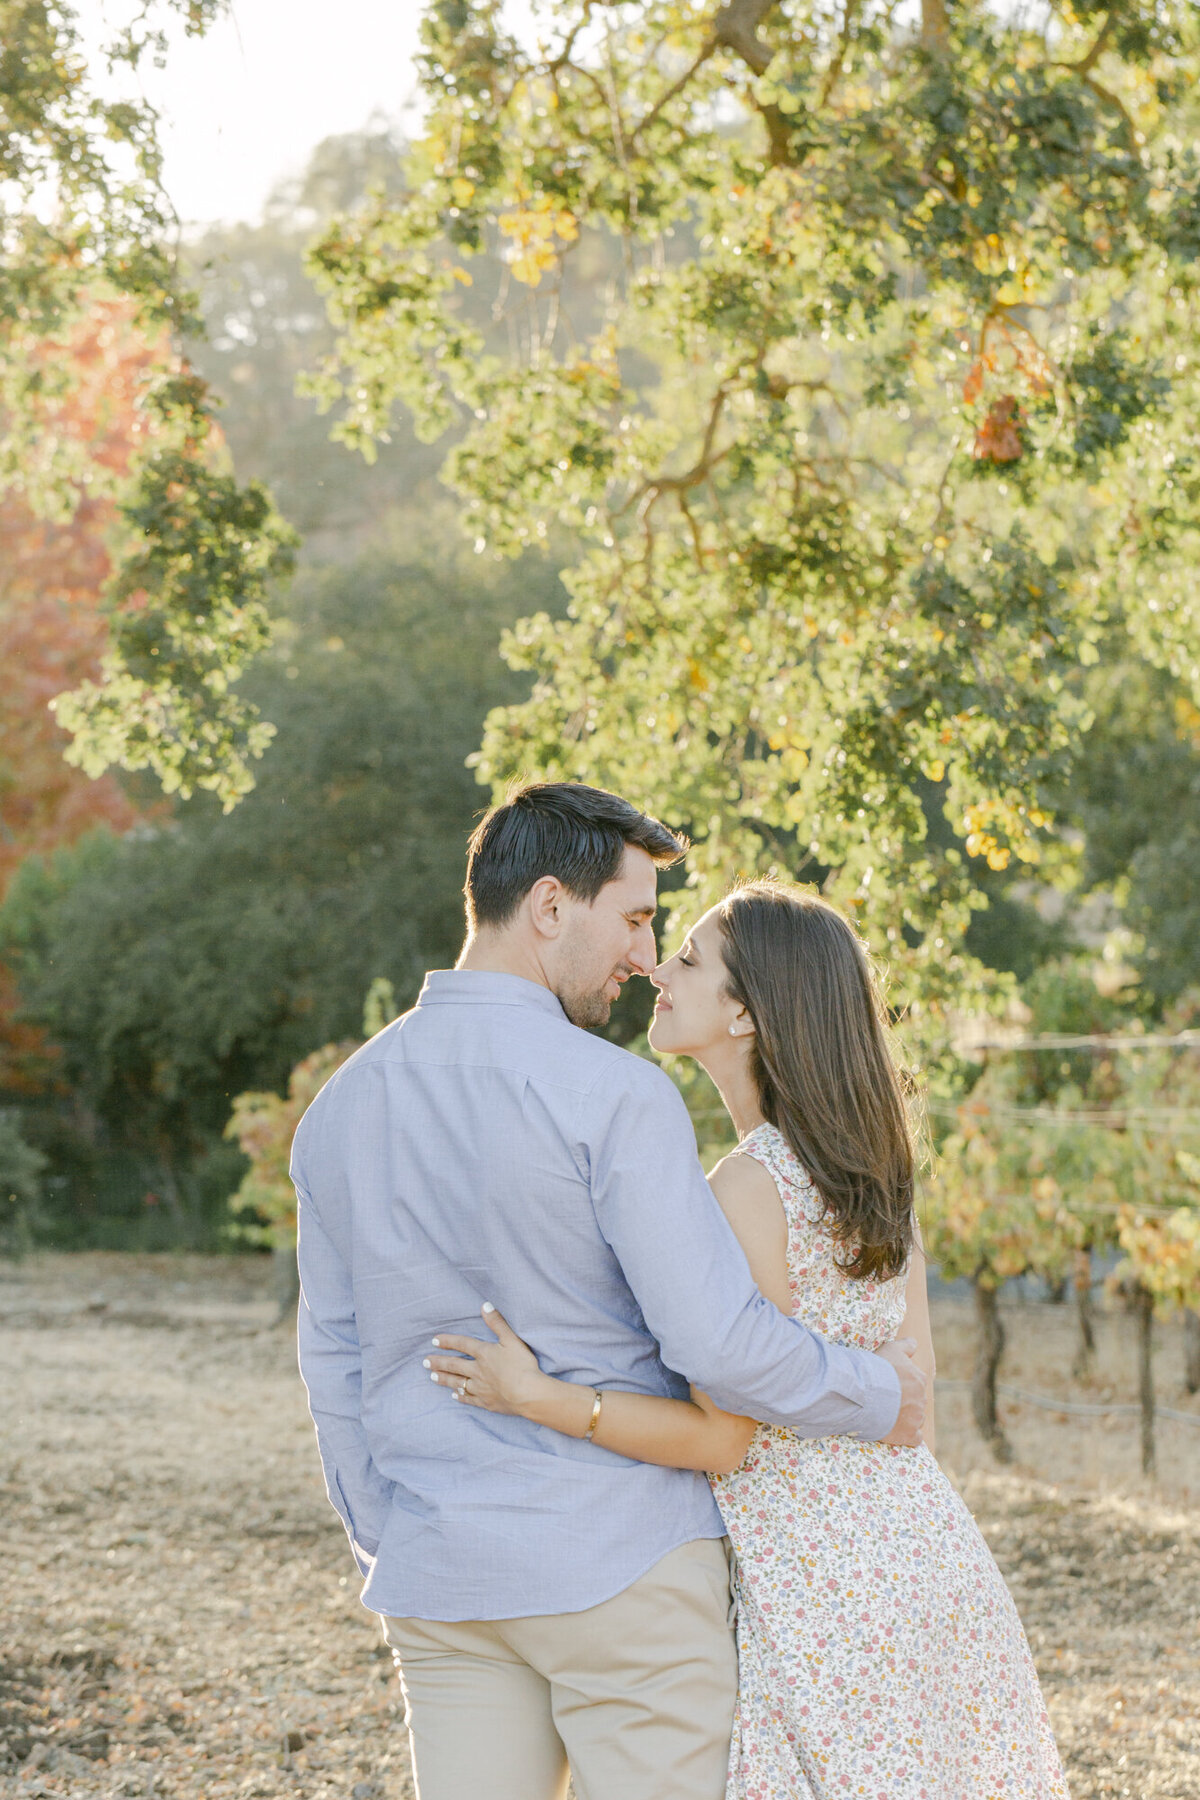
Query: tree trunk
[[934, 25], [1191, 1350], [989, 1350], [1143, 1308], [1085, 1356], [170, 1190], [286, 1281]]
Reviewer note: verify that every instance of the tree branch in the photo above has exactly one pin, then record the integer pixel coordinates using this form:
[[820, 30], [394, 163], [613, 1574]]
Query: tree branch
[[1083, 68], [935, 29], [563, 59], [651, 491], [693, 527], [1118, 105], [838, 62], [1088, 62], [736, 26], [675, 88]]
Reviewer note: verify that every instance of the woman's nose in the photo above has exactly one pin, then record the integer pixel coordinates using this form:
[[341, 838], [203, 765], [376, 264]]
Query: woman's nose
[[658, 978]]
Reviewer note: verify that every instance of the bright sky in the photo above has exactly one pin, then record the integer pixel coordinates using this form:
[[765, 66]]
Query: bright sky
[[243, 106]]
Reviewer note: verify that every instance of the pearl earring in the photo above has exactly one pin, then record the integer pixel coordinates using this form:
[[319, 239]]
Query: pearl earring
[[733, 1031]]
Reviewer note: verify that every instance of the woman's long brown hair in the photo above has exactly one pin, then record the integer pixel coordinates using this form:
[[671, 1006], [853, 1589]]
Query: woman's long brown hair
[[825, 1076]]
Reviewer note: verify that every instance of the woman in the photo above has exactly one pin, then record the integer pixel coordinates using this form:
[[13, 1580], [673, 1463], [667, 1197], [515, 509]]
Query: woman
[[879, 1651]]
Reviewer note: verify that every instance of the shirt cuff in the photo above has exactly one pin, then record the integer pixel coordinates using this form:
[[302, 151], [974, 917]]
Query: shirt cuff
[[880, 1400]]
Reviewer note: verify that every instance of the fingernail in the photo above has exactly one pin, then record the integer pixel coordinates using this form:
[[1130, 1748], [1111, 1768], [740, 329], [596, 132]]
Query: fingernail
[[427, 1364], [436, 1342], [433, 1377], [488, 1307]]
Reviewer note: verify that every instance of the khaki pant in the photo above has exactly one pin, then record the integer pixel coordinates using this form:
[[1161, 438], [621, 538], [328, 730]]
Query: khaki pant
[[636, 1693]]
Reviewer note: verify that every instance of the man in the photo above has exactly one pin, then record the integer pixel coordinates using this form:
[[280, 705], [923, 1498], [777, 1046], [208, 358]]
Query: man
[[546, 1600]]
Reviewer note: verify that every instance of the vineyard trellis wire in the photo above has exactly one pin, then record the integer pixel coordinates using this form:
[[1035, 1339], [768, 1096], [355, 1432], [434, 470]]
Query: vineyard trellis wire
[[1045, 1169], [1081, 1409]]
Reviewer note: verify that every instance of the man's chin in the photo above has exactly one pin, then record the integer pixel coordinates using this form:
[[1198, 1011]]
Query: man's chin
[[588, 1011]]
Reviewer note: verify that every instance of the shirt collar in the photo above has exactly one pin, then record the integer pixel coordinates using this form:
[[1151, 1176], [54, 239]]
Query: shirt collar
[[486, 987]]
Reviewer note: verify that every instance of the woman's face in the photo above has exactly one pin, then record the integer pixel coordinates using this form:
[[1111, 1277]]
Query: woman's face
[[694, 1013]]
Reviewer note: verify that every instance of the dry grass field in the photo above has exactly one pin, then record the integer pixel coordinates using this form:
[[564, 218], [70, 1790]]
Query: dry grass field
[[179, 1610]]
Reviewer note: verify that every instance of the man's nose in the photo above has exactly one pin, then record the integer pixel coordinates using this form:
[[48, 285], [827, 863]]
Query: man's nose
[[644, 955]]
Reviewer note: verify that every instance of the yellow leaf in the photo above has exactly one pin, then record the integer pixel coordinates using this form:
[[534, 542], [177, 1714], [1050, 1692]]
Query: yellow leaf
[[527, 270]]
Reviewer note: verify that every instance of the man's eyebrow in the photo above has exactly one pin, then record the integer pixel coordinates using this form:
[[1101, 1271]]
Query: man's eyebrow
[[642, 912]]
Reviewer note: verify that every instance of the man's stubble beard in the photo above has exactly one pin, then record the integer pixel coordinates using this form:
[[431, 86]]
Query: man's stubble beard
[[583, 1000], [588, 1011]]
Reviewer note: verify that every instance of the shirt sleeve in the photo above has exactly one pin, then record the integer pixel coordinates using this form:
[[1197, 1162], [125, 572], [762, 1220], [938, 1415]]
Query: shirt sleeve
[[691, 1279], [331, 1367]]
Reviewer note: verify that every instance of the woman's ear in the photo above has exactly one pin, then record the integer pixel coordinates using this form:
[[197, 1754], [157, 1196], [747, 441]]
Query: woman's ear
[[743, 1025]]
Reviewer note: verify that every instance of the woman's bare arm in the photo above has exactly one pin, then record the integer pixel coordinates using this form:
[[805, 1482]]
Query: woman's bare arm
[[678, 1434], [750, 1201], [916, 1324], [504, 1377]]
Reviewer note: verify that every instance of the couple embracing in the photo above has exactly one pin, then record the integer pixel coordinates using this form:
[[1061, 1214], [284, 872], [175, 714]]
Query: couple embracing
[[562, 1384]]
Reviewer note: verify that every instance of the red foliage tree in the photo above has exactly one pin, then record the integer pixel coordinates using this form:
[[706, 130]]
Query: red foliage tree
[[53, 632]]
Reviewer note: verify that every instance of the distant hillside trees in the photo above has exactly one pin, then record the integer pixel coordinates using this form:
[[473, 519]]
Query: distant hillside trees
[[205, 953]]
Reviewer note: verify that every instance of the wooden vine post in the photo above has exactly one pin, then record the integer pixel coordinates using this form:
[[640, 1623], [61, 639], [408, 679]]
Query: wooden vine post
[[1158, 1226], [987, 1365], [1143, 1311], [1161, 1275], [1191, 1350], [1085, 1306]]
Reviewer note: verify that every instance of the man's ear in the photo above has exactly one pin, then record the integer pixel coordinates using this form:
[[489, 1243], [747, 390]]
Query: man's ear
[[545, 906]]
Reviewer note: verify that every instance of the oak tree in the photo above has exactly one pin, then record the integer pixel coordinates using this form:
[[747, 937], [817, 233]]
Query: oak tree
[[887, 417]]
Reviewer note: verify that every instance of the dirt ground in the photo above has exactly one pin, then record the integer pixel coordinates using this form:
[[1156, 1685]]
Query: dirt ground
[[178, 1610]]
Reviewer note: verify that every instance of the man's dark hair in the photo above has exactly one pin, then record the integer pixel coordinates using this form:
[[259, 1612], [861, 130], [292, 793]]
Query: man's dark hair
[[577, 834]]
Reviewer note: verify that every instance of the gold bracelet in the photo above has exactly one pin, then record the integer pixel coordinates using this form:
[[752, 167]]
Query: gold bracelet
[[590, 1433]]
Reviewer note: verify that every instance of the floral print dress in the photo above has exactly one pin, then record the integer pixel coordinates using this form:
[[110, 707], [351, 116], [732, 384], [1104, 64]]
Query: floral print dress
[[880, 1654]]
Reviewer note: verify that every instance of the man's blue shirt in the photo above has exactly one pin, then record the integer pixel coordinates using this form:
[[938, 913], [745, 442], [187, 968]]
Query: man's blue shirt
[[484, 1148]]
